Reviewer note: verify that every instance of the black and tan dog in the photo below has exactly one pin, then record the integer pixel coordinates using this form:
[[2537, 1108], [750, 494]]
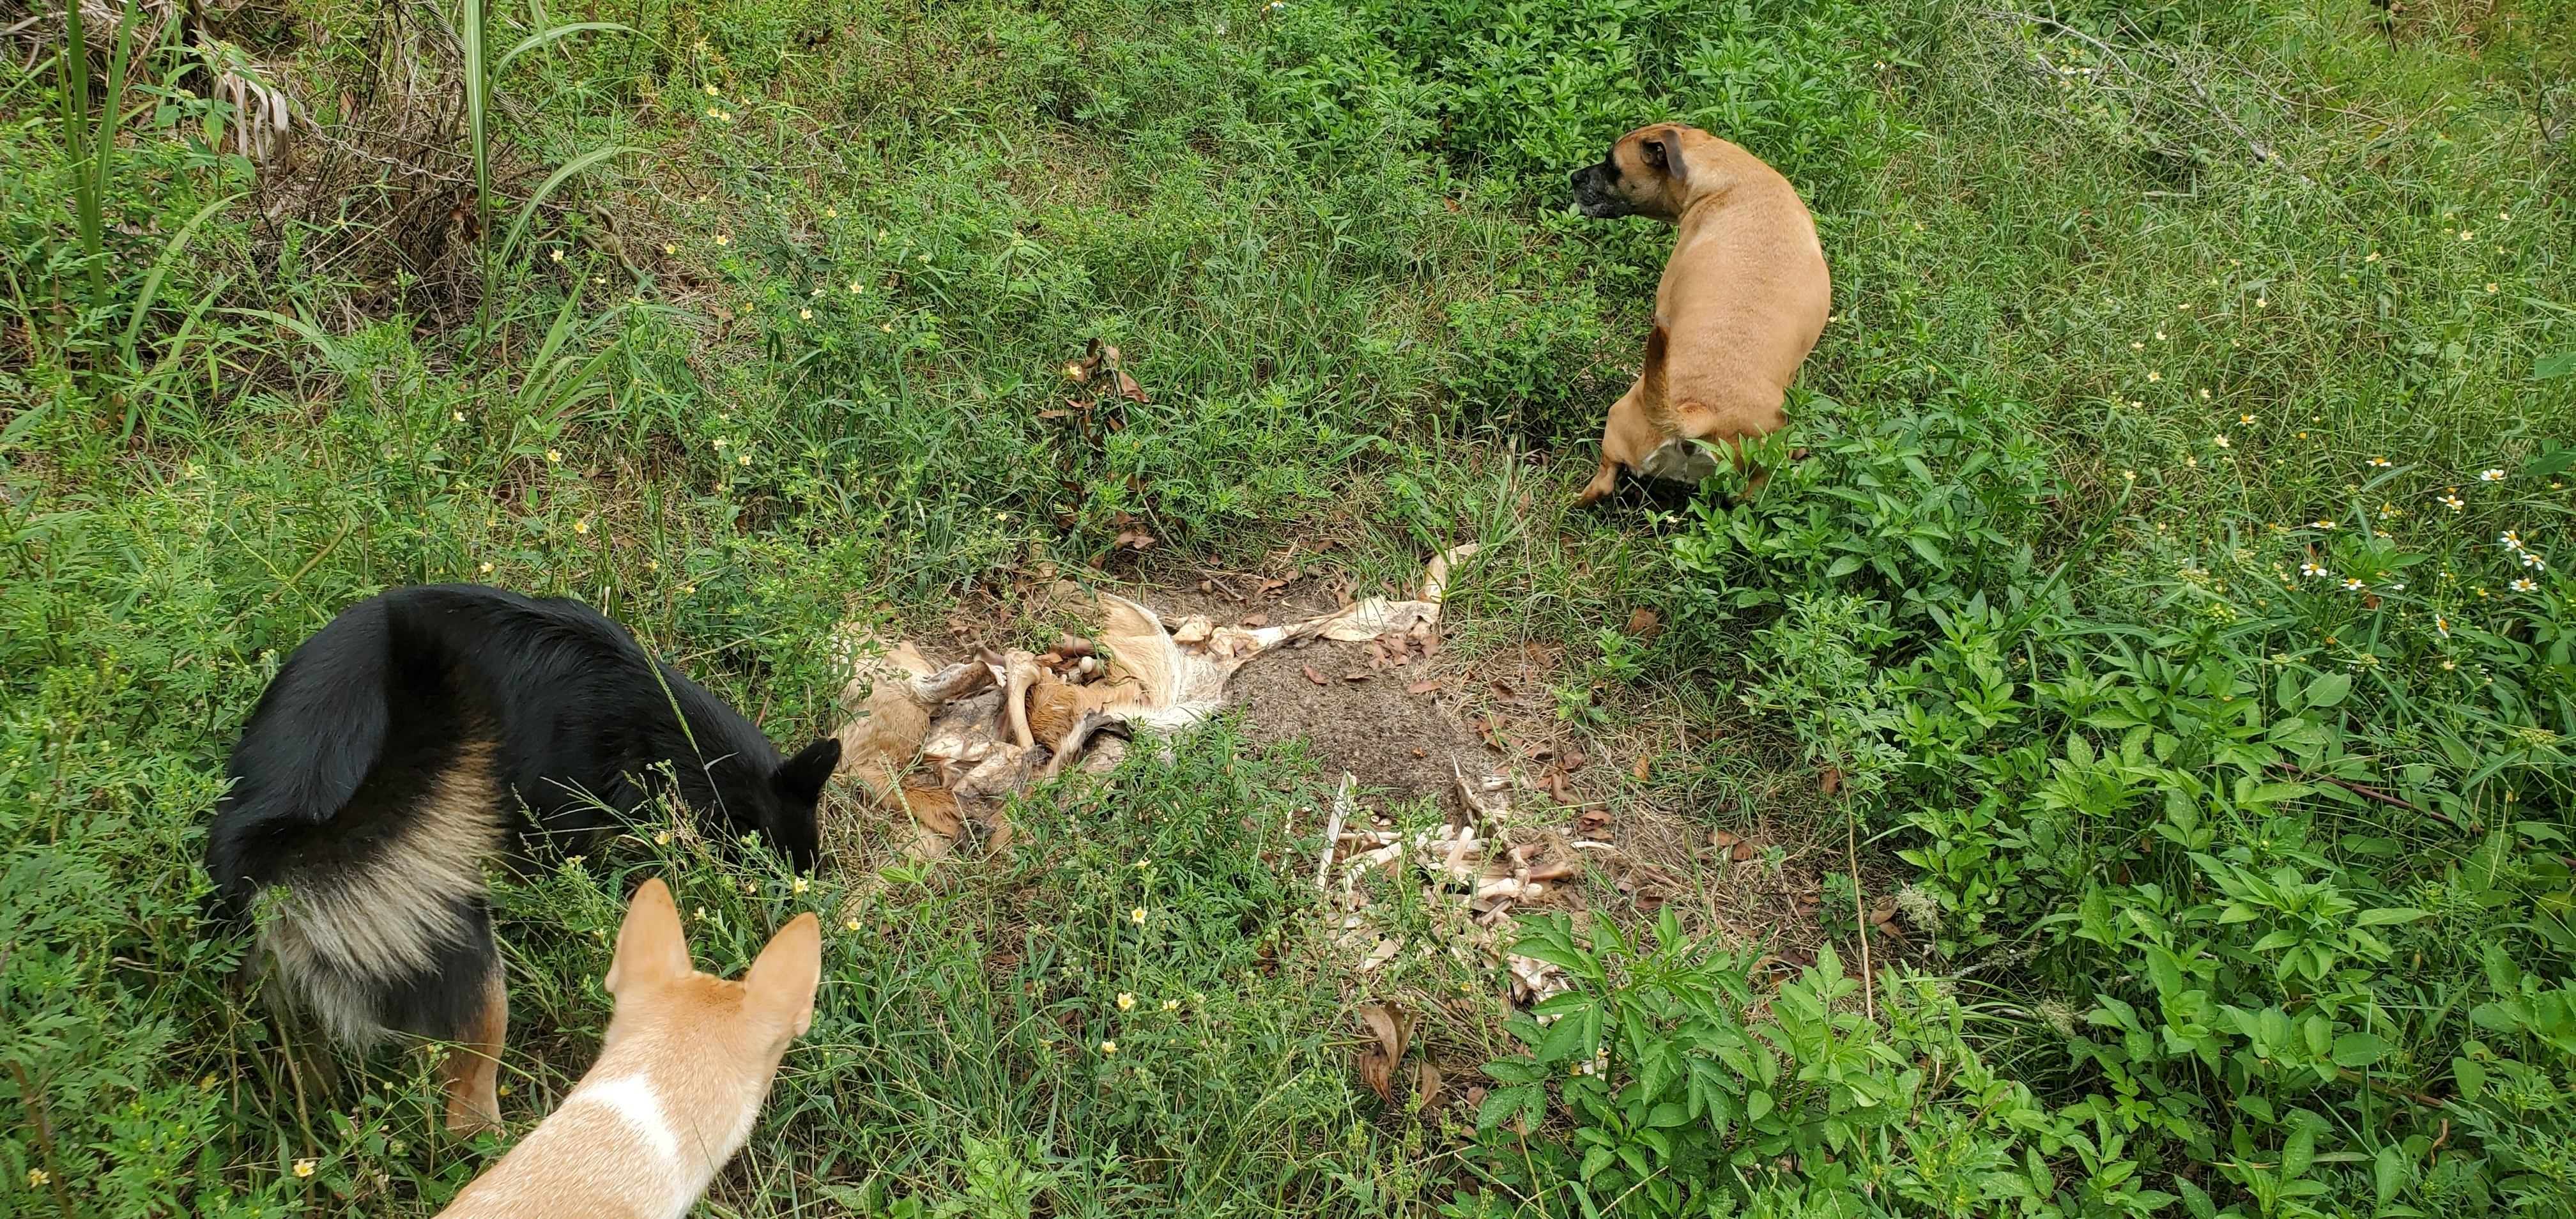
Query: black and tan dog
[[1742, 300], [391, 761]]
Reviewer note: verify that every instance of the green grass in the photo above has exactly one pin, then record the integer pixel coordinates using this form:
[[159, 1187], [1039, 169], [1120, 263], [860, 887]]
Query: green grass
[[1330, 240]]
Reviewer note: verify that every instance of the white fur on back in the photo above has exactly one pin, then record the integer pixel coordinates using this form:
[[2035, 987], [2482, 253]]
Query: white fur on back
[[631, 1098], [642, 1134]]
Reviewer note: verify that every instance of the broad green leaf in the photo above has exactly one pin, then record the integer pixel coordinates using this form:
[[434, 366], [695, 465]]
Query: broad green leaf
[[2389, 916], [2299, 1150], [2388, 1173], [2329, 690], [1756, 1104], [2360, 1050], [2550, 367]]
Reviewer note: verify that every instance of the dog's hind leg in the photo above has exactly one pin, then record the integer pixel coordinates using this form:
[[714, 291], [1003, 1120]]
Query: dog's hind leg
[[471, 1073]]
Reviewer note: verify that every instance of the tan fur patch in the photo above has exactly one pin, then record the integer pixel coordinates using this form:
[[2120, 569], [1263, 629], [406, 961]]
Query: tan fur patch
[[337, 936]]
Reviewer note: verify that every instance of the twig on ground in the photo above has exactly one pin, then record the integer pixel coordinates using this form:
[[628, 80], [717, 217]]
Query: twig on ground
[[1333, 831]]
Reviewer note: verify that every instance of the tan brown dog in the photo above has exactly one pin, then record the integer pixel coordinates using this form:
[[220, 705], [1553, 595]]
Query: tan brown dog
[[680, 1078], [1742, 300]]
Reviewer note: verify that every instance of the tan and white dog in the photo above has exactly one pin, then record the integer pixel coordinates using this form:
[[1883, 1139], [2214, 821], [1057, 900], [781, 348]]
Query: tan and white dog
[[1742, 300], [681, 1076]]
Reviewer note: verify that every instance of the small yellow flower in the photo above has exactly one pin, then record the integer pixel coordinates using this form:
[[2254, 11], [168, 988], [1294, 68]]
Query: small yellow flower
[[851, 923], [2130, 475], [556, 255], [1109, 1047], [1137, 916], [2137, 347], [2468, 235], [581, 526], [2259, 302], [721, 239], [720, 442], [887, 327], [2373, 256], [1126, 1001], [743, 460], [304, 1168], [1171, 1005], [662, 839], [831, 213], [487, 569], [2491, 287], [854, 287], [800, 884], [805, 315], [669, 248], [711, 90], [2155, 376], [2220, 441], [554, 457], [459, 416], [37, 1177], [701, 914]]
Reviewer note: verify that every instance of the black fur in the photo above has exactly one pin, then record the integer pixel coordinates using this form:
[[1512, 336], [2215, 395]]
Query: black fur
[[1593, 195], [399, 692]]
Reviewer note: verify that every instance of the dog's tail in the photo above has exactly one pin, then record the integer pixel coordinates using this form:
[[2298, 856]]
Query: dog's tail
[[368, 790], [1650, 384]]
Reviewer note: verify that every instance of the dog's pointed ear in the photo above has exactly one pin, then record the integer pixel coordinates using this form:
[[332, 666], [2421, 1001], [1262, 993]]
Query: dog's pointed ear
[[781, 983], [651, 947], [801, 778], [1664, 151]]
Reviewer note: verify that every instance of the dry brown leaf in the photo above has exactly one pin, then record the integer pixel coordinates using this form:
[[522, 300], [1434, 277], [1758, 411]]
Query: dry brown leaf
[[1645, 766], [1423, 687], [1426, 1085], [1831, 781], [1355, 677], [1393, 1028], [1256, 620], [1573, 759], [1743, 851], [1313, 676], [1645, 624]]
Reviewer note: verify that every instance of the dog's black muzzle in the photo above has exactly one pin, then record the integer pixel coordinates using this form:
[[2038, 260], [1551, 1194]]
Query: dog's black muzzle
[[1592, 194]]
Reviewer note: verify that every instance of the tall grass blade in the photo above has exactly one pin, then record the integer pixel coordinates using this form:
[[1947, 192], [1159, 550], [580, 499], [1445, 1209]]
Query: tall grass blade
[[528, 210], [469, 43], [533, 41], [161, 268]]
